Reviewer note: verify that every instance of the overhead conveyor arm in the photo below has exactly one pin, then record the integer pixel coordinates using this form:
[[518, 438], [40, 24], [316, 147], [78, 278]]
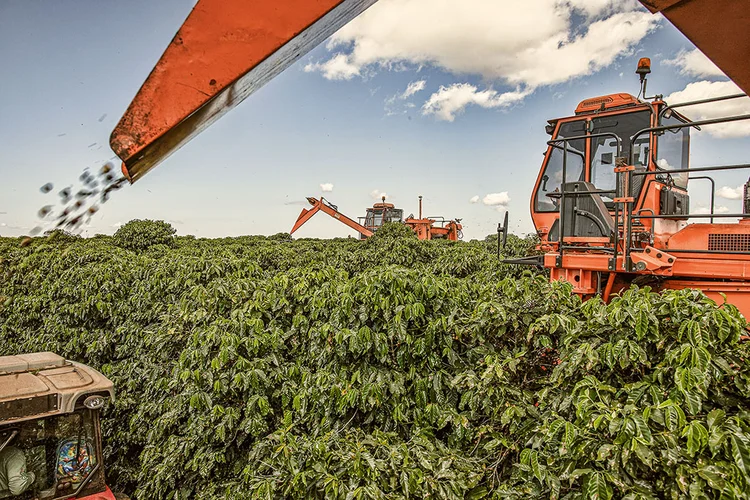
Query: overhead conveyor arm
[[321, 206], [224, 51]]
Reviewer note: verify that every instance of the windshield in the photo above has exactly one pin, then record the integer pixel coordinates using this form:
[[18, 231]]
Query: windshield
[[48, 458], [376, 217], [552, 177], [395, 215]]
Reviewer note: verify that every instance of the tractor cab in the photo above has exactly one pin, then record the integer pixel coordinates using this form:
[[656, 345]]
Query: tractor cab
[[379, 214], [50, 438], [582, 156], [611, 203]]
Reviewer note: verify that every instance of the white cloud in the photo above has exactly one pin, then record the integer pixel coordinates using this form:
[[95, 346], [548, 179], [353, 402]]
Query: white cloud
[[717, 210], [595, 8], [117, 225], [377, 194], [392, 104], [523, 44], [694, 63], [336, 68], [447, 102], [730, 193], [413, 88], [326, 187], [474, 199], [496, 199], [705, 89]]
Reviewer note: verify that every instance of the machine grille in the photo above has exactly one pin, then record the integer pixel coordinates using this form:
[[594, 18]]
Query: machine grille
[[729, 242]]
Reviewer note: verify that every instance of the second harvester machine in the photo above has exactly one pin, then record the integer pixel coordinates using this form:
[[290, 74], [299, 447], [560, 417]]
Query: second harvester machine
[[430, 228]]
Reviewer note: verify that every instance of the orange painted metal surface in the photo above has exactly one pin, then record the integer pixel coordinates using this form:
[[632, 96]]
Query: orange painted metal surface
[[224, 51], [606, 102], [427, 229], [717, 27]]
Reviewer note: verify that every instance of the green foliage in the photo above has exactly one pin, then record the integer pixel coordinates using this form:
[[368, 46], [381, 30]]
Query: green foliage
[[515, 246], [260, 367], [391, 231], [142, 234]]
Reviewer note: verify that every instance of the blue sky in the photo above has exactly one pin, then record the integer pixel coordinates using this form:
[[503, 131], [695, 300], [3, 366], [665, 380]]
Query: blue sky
[[337, 116]]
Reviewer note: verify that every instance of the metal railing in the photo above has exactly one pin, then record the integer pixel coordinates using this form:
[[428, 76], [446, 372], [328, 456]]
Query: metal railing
[[624, 185], [628, 229]]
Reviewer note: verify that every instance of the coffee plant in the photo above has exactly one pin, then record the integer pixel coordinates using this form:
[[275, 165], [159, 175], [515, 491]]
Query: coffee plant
[[143, 234], [258, 367]]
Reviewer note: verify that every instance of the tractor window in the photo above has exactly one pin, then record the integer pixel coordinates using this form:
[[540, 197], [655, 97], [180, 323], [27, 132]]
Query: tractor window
[[673, 149], [394, 215], [604, 149], [48, 458], [547, 195]]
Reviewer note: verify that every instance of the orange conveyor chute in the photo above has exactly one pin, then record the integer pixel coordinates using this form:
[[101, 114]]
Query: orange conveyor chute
[[224, 51], [321, 206]]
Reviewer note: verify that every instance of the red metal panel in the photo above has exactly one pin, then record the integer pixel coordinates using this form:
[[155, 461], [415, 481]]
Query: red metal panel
[[717, 27], [225, 50], [104, 495], [659, 5]]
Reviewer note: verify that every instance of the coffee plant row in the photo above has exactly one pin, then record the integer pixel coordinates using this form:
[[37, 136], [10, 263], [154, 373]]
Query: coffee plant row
[[390, 368]]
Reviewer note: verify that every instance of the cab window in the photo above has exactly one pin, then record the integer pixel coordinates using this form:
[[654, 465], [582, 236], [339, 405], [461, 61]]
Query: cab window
[[673, 149], [548, 193], [49, 458], [604, 149]]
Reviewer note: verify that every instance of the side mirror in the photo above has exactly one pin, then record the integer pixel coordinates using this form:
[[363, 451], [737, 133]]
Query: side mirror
[[502, 234], [545, 178]]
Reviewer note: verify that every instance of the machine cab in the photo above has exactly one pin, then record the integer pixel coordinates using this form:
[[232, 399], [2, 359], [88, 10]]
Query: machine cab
[[50, 438], [585, 147], [379, 214]]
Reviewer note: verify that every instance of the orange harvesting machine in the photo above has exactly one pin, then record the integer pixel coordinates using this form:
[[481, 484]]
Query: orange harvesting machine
[[429, 228]]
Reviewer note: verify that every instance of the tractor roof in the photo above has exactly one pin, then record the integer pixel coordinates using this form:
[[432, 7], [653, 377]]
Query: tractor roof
[[606, 102], [43, 384]]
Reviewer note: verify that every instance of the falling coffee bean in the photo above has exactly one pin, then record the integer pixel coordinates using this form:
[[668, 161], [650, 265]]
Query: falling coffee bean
[[45, 211], [74, 222], [26, 241], [84, 194], [65, 195], [47, 188]]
